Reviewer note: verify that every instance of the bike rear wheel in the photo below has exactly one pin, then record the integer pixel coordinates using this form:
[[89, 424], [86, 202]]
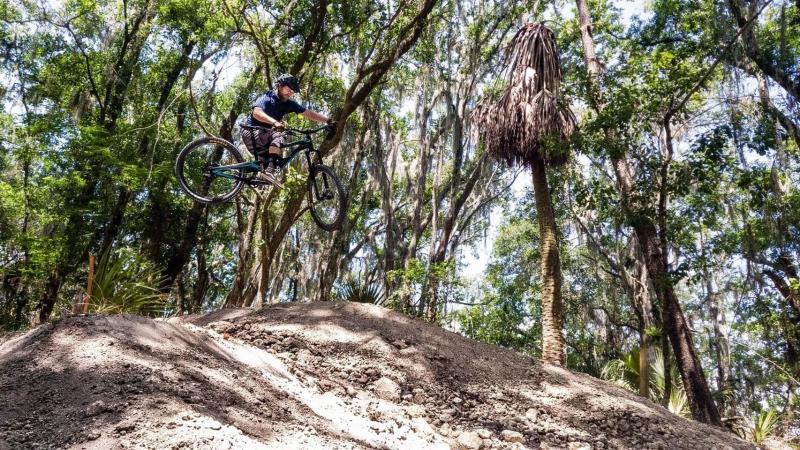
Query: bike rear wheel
[[326, 197], [194, 169]]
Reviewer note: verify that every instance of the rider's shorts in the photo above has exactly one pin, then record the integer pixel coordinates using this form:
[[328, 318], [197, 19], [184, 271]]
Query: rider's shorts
[[258, 141]]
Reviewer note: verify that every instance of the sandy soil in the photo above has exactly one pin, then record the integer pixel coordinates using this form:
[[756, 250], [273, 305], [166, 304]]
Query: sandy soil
[[314, 375]]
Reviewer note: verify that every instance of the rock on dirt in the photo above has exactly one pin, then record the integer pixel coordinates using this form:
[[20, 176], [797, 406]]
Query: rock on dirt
[[387, 389], [311, 376], [469, 440], [512, 436]]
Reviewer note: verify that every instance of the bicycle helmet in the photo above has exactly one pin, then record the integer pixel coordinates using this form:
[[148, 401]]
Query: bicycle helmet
[[287, 79]]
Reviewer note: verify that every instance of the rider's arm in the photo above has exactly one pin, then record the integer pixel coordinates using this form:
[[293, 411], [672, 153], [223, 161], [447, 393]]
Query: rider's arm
[[313, 115], [262, 117]]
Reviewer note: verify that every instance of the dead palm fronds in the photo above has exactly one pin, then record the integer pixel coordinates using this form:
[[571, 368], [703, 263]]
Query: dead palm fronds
[[529, 119]]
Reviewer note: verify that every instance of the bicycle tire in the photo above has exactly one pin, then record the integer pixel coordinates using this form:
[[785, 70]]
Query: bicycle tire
[[193, 162], [326, 197]]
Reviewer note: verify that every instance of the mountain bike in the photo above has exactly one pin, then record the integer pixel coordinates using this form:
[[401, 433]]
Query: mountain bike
[[212, 170]]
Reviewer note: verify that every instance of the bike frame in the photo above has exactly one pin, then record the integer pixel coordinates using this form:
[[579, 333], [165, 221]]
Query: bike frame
[[305, 143]]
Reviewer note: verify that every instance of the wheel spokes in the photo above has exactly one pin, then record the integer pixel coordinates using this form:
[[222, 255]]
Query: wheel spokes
[[326, 205], [198, 170]]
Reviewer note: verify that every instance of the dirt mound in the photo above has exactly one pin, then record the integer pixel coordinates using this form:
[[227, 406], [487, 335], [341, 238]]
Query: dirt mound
[[316, 375]]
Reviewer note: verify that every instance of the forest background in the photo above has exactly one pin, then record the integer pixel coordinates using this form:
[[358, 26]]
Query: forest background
[[677, 211]]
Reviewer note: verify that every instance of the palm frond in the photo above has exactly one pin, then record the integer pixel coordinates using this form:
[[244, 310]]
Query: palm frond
[[679, 403], [658, 376], [765, 424], [529, 120], [125, 284], [624, 372], [355, 290], [617, 371]]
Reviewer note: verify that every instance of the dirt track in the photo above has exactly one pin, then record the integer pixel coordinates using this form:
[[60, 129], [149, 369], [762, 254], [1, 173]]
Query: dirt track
[[315, 375]]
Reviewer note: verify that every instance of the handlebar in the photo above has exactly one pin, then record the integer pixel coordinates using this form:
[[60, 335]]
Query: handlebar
[[308, 131]]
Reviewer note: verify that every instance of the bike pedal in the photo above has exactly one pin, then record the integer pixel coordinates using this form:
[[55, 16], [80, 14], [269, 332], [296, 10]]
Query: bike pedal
[[262, 184]]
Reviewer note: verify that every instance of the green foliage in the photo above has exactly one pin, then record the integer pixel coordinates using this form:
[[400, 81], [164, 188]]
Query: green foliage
[[624, 372], [126, 283], [765, 425], [359, 291], [81, 171]]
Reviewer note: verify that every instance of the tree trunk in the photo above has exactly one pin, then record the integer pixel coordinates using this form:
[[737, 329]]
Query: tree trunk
[[667, 359], [429, 301], [246, 234], [50, 296], [201, 284], [369, 75], [339, 251], [700, 401], [641, 298], [719, 338], [550, 267], [761, 59]]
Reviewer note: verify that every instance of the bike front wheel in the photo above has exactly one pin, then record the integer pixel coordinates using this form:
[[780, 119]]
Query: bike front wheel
[[197, 169], [326, 197]]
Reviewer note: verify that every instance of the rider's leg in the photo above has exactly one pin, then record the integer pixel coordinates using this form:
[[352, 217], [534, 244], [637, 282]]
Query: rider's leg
[[271, 168], [277, 139], [275, 151], [249, 140], [257, 142]]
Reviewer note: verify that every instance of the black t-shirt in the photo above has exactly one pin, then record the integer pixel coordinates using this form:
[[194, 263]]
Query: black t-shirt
[[274, 107]]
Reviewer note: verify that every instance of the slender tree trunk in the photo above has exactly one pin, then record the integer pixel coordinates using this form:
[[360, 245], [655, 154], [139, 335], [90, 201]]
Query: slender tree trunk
[[391, 259], [719, 339], [430, 292], [183, 250], [115, 223], [641, 298], [262, 297], [667, 358], [700, 401], [339, 251], [195, 303], [50, 296], [760, 58], [246, 256], [550, 267]]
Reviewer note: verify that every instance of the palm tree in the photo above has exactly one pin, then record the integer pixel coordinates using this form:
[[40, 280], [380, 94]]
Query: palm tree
[[529, 125]]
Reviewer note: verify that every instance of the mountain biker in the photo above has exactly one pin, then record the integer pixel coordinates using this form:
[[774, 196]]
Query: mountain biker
[[268, 111]]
